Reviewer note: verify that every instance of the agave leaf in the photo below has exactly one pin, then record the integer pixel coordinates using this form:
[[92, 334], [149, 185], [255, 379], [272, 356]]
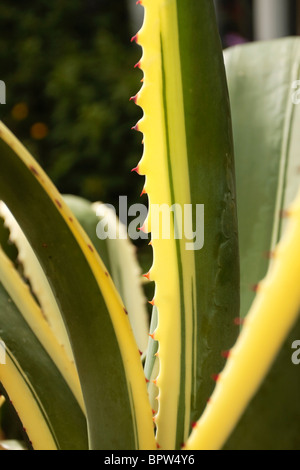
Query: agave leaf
[[96, 320], [119, 256], [266, 138], [188, 160], [38, 280], [267, 324], [266, 126], [45, 404], [22, 298]]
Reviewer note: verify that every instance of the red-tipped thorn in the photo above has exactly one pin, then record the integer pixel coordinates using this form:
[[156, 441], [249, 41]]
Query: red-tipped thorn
[[225, 354], [152, 335], [269, 254], [147, 381], [133, 98], [134, 38], [34, 170], [143, 192], [194, 425], [157, 445], [239, 321], [284, 214], [255, 287], [139, 2], [147, 276], [151, 302], [136, 170], [208, 400], [215, 377], [135, 128], [140, 352], [138, 65], [153, 412]]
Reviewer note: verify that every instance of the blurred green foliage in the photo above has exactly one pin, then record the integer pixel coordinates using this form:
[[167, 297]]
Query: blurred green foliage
[[69, 72]]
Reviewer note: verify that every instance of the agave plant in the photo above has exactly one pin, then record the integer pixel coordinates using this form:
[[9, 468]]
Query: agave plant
[[83, 370]]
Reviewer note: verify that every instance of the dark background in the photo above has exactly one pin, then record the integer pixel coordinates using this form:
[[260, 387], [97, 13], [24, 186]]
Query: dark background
[[69, 73]]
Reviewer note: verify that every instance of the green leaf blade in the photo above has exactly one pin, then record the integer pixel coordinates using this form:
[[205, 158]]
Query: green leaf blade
[[93, 315], [55, 404], [188, 162], [266, 134]]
